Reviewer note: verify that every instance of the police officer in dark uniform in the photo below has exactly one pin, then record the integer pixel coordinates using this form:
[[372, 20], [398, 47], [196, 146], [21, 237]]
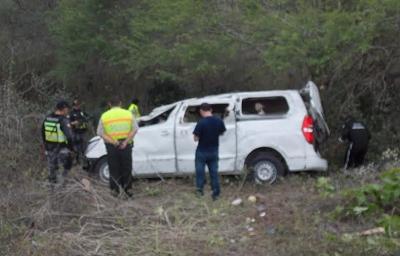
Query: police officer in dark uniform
[[58, 140], [79, 123], [357, 135]]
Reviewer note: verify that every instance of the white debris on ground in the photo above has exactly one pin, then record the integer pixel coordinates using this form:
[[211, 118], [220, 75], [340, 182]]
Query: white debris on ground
[[87, 186], [252, 199], [237, 201]]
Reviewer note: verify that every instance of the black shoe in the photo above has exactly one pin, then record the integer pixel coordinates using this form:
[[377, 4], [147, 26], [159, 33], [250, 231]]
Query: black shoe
[[214, 197], [115, 193], [129, 194], [199, 193]]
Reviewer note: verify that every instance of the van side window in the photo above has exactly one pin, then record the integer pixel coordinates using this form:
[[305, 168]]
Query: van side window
[[265, 106], [192, 113], [158, 119]]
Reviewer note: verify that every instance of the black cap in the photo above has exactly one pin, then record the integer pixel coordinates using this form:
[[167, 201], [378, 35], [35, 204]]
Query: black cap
[[205, 107], [62, 104]]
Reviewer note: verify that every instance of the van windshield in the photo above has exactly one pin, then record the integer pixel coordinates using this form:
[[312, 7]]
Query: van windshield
[[157, 116]]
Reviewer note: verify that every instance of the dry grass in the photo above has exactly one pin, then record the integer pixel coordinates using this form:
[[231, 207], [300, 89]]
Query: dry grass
[[166, 218]]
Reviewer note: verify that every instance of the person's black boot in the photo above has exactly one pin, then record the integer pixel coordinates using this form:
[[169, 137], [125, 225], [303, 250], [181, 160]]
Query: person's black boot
[[199, 193]]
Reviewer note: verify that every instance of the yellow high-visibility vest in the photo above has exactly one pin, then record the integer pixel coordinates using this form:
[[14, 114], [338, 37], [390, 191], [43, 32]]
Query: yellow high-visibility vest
[[52, 131], [117, 123], [134, 109]]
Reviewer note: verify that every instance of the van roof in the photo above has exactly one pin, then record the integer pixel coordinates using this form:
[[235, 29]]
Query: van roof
[[225, 96], [249, 93], [243, 94]]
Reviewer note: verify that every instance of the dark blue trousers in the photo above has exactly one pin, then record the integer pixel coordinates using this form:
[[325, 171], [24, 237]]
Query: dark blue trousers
[[209, 158]]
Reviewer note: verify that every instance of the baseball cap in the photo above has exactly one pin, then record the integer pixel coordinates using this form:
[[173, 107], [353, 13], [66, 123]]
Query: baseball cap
[[205, 107], [62, 104]]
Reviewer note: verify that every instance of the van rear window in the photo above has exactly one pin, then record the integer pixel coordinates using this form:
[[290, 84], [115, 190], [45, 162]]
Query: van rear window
[[265, 106]]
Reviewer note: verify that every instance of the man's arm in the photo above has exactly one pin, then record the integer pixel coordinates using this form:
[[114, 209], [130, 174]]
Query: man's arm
[[106, 138], [223, 128], [66, 128], [345, 131], [131, 135], [73, 120], [128, 139], [197, 132]]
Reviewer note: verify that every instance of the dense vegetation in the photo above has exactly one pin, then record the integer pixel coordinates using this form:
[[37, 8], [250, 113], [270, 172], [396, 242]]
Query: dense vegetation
[[164, 50], [191, 48]]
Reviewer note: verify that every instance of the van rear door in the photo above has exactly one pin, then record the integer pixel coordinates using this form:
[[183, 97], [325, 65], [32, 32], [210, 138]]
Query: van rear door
[[312, 99]]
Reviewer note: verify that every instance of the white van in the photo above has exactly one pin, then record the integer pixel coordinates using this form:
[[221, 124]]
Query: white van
[[283, 137]]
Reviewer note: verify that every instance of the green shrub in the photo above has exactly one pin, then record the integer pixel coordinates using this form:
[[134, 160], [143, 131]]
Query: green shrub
[[381, 200], [325, 187], [391, 225]]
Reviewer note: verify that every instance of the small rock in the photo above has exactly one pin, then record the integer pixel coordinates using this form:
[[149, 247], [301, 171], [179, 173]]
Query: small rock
[[252, 233], [262, 214], [270, 231], [237, 202], [374, 231], [160, 210], [261, 208], [232, 241], [86, 184], [252, 199], [250, 229], [244, 239]]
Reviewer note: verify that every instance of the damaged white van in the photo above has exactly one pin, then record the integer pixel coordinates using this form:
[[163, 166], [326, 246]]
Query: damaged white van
[[268, 133]]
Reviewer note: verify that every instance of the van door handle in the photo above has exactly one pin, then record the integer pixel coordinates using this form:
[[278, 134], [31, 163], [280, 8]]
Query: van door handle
[[164, 133]]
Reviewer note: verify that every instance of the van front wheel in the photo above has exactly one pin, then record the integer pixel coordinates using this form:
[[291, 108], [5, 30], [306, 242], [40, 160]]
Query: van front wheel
[[102, 170], [266, 167]]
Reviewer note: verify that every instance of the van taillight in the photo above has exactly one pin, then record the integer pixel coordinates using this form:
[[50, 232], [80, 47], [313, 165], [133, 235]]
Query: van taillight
[[307, 129]]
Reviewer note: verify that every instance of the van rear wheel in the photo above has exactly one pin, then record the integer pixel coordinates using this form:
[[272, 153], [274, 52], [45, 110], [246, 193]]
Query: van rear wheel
[[266, 168], [102, 170]]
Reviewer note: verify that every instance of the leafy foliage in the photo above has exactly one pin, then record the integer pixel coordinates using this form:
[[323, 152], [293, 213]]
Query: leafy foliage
[[198, 37], [382, 199], [350, 48], [325, 187]]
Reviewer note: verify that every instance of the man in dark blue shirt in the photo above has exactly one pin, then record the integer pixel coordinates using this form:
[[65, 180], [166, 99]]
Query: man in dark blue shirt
[[207, 132]]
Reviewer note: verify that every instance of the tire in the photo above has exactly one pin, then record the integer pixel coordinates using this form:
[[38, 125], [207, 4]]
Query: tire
[[102, 171], [266, 168]]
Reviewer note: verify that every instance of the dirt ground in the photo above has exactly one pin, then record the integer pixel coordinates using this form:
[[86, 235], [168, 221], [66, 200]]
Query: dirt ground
[[166, 218]]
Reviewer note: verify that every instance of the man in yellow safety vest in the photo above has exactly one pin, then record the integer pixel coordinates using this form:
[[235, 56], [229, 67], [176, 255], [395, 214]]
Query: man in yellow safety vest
[[134, 108], [118, 127], [58, 140]]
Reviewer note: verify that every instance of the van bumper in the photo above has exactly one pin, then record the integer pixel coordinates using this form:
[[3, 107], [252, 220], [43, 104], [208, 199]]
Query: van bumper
[[316, 164]]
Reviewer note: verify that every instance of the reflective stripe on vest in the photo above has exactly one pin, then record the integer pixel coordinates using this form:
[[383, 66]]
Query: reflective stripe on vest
[[53, 132], [117, 123]]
